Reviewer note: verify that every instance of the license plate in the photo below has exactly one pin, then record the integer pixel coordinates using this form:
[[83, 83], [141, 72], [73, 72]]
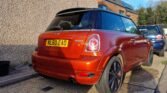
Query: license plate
[[57, 43]]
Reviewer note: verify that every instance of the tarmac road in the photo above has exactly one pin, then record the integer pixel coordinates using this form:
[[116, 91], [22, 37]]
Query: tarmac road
[[147, 80]]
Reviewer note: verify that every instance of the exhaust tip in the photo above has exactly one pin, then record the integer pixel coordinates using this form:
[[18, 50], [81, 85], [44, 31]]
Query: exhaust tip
[[72, 80]]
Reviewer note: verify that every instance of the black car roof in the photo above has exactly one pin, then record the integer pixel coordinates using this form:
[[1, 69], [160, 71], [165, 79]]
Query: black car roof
[[71, 10]]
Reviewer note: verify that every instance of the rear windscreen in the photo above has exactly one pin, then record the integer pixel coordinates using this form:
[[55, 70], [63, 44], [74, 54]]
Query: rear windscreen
[[149, 30], [71, 21]]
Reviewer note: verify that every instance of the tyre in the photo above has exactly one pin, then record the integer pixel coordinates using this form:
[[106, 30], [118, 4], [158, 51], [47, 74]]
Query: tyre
[[161, 53], [166, 47], [150, 59], [137, 68], [112, 77]]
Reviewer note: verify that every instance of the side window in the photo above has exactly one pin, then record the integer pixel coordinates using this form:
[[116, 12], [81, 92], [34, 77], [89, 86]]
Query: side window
[[96, 16], [111, 22], [130, 27]]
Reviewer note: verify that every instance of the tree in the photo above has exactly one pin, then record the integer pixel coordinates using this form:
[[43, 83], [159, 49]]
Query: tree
[[153, 15], [142, 16], [161, 14], [150, 17]]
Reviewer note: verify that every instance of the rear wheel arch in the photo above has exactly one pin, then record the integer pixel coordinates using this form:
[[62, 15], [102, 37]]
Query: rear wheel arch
[[116, 54], [109, 58]]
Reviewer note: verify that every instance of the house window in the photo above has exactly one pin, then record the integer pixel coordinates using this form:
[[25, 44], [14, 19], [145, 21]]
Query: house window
[[121, 12], [128, 15]]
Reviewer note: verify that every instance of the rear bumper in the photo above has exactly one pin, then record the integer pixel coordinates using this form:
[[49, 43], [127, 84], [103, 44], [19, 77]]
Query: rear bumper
[[83, 71]]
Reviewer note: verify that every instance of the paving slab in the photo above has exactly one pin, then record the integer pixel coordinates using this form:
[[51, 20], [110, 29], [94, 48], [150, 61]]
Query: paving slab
[[128, 88], [35, 85], [162, 86], [18, 74]]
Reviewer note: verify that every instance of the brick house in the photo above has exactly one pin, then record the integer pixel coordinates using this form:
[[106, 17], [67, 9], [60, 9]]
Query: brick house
[[122, 7]]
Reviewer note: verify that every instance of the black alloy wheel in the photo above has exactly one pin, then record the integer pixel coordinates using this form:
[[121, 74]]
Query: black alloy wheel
[[115, 76], [112, 77]]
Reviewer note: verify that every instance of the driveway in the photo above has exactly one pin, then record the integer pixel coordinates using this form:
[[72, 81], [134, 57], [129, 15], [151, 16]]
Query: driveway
[[145, 80]]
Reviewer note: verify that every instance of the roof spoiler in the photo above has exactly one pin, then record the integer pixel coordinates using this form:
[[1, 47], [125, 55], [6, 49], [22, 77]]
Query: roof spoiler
[[71, 10]]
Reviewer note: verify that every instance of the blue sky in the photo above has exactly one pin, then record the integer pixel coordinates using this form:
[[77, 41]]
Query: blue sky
[[142, 3]]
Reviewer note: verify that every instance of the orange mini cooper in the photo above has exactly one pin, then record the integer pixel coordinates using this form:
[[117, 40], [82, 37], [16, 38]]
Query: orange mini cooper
[[91, 46]]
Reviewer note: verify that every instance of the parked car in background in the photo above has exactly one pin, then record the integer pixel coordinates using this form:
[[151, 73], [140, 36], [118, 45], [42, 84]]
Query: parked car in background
[[155, 34], [91, 46], [165, 32]]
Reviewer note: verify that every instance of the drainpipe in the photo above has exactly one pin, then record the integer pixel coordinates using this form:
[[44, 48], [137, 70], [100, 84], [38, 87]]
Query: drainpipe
[[77, 3]]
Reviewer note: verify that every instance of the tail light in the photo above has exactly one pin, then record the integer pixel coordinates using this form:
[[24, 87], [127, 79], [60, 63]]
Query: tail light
[[93, 43], [159, 37]]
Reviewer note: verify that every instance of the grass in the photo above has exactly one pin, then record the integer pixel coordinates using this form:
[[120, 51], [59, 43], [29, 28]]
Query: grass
[[164, 62]]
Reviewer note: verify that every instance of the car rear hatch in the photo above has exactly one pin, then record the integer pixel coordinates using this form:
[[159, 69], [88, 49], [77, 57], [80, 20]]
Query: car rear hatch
[[62, 44], [66, 35]]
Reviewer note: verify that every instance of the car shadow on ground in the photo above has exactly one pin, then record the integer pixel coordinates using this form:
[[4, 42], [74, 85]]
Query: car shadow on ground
[[66, 86], [141, 81]]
